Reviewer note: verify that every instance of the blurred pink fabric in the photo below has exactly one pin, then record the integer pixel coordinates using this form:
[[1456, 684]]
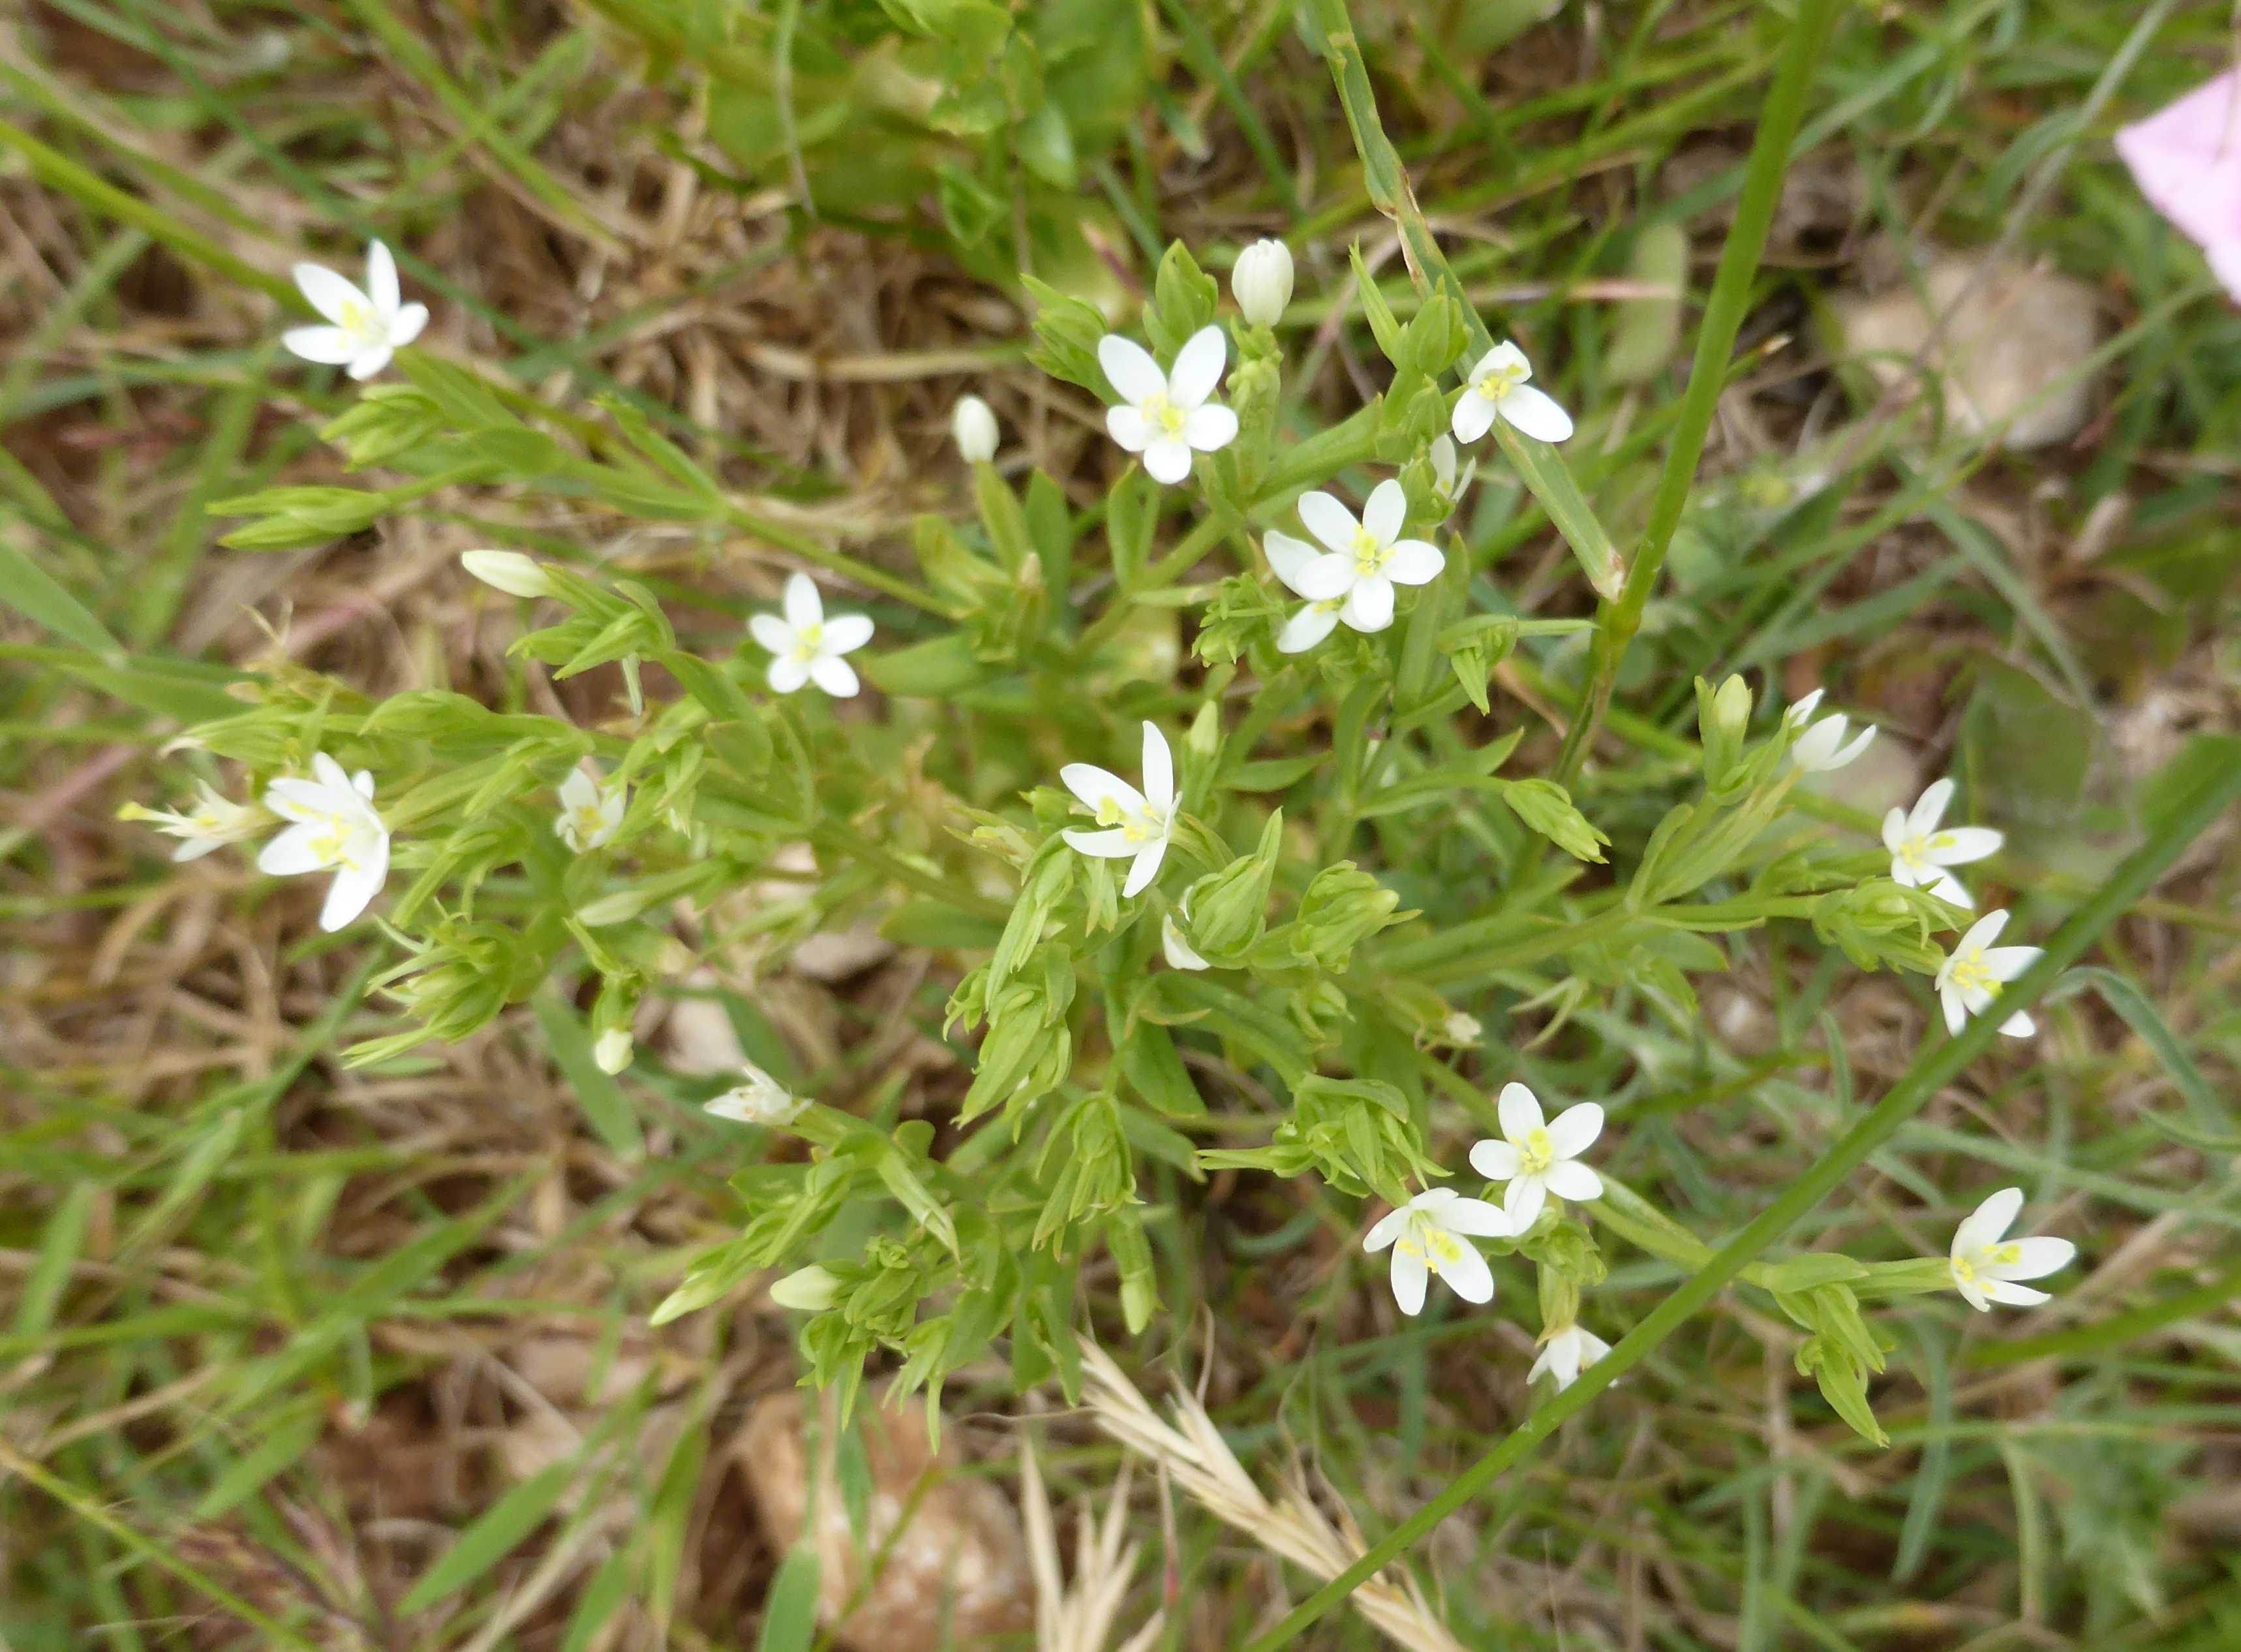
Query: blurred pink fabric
[[2187, 161]]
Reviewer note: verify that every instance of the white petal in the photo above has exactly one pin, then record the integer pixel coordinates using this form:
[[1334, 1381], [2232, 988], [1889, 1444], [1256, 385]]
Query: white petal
[[2019, 1025], [1574, 1131], [1386, 512], [2040, 1257], [804, 609], [1412, 562], [1964, 844], [1527, 1197], [1167, 460], [1316, 575], [290, 854], [1520, 1110], [835, 676], [1306, 628], [1945, 887], [1468, 1276], [1497, 1160], [1473, 418], [1542, 1363], [381, 278], [2008, 962], [1474, 1217], [771, 632], [1385, 1229], [2014, 1295], [354, 888], [1797, 715], [1409, 1275], [1328, 520], [1988, 1223], [332, 296], [1097, 786], [1973, 1294], [1198, 367], [1570, 1178], [1129, 427], [1851, 754], [787, 674], [1929, 807], [1897, 829], [1113, 845], [1210, 428], [365, 366], [362, 783], [1505, 355], [1536, 413], [407, 324], [1369, 604], [845, 633], [1984, 931], [1144, 868], [1130, 369], [1175, 946], [1159, 770], [331, 346], [578, 790]]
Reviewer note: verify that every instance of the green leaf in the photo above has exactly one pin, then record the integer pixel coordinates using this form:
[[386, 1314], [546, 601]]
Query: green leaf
[[605, 1108], [39, 597], [495, 1534], [1647, 330], [1544, 473]]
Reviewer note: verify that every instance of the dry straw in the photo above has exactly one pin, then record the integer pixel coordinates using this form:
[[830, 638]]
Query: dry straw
[[1191, 1450]]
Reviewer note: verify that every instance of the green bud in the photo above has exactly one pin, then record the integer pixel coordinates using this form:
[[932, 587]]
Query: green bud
[[1229, 907], [811, 1289], [1343, 906]]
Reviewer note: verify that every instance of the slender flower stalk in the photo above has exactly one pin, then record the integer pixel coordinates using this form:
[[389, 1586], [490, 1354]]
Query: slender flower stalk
[[364, 327], [1134, 825], [1921, 852], [1167, 416]]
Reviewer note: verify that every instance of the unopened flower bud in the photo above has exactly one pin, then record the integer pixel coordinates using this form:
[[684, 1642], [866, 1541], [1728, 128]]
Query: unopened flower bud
[[1261, 283], [613, 1050], [757, 1099], [508, 571], [811, 1289], [1731, 707], [973, 426]]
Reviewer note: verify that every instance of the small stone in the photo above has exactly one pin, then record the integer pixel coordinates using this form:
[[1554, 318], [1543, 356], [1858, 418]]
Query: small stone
[[2016, 332]]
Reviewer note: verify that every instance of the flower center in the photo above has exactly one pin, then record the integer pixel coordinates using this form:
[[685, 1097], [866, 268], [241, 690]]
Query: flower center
[[1163, 415], [1438, 1249], [2005, 1255], [1972, 975], [588, 822], [1500, 381], [1964, 1270], [1136, 825], [806, 641], [1369, 557], [356, 319], [1915, 854], [332, 846], [1537, 1151]]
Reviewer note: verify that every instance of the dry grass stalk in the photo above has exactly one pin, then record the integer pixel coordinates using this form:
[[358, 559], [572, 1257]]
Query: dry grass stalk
[[1079, 1618], [1192, 1451]]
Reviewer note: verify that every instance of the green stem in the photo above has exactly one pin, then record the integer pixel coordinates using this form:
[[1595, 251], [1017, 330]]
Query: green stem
[[1716, 341], [1929, 1074]]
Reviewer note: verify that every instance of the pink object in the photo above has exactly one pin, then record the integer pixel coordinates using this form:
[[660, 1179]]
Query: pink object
[[2187, 161]]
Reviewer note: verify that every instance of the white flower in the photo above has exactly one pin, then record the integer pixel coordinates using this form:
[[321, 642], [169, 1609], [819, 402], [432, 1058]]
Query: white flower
[[1166, 416], [368, 327], [1353, 579], [1175, 945], [1539, 1158], [810, 1289], [973, 426], [212, 821], [1262, 281], [1920, 853], [1822, 747], [757, 1099], [805, 646], [1986, 1263], [591, 810], [508, 571], [1137, 824], [1430, 1234], [1566, 1353], [1498, 390], [333, 825], [1970, 978], [1448, 486]]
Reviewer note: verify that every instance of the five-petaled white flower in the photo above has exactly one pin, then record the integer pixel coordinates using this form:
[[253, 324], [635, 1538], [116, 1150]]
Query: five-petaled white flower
[[1175, 946], [1540, 1157], [1135, 825], [1821, 747], [591, 810], [1498, 390], [212, 821], [806, 647], [1352, 579], [1431, 1234], [757, 1099], [1166, 416], [1986, 1263], [367, 327], [1970, 979], [334, 825], [1566, 1353], [1920, 853], [1445, 481]]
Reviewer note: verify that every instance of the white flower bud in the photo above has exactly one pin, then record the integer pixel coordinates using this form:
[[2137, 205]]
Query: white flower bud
[[757, 1099], [613, 1050], [1731, 707], [974, 426], [811, 1289], [1261, 283], [508, 571]]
